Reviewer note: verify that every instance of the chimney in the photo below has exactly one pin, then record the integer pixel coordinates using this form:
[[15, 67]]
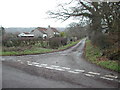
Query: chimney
[[48, 26]]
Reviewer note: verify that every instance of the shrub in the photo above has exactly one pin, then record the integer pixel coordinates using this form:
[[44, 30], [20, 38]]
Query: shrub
[[54, 43], [64, 41], [100, 40], [15, 42]]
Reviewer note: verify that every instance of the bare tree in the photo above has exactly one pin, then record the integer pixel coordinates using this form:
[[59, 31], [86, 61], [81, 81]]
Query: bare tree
[[76, 30], [103, 17]]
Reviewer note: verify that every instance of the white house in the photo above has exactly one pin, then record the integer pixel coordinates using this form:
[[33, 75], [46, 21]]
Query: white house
[[40, 32], [45, 32]]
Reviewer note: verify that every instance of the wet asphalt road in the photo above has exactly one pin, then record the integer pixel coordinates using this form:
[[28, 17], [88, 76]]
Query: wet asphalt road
[[64, 69]]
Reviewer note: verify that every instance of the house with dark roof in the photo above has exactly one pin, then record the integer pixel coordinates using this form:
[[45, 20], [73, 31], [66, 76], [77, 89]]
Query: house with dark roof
[[45, 32], [52, 32], [40, 32], [55, 31]]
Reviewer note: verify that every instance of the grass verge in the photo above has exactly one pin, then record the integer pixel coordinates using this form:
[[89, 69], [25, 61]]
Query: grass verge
[[93, 54], [37, 50], [68, 45], [26, 52]]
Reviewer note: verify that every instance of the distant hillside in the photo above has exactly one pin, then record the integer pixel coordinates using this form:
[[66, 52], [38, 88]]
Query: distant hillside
[[16, 29], [60, 29]]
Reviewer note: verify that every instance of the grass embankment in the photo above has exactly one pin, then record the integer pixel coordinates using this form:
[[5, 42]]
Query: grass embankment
[[93, 54], [36, 50], [68, 45]]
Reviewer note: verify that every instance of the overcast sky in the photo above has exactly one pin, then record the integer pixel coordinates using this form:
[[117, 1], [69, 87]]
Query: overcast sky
[[28, 13]]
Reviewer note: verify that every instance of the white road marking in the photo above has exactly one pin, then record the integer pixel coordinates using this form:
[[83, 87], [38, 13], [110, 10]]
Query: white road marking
[[66, 68], [59, 69], [38, 65], [55, 66], [73, 72], [19, 60], [89, 75], [43, 64], [76, 71], [49, 67], [106, 78], [111, 76], [35, 62], [94, 73], [29, 63], [79, 70]]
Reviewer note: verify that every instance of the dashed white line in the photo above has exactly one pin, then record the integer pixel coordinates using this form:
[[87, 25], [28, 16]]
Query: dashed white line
[[89, 75], [106, 78], [73, 72], [79, 70], [111, 76], [66, 68], [19, 60], [94, 73], [38, 65], [76, 71], [54, 66], [49, 67], [59, 69], [35, 62], [43, 64], [29, 63]]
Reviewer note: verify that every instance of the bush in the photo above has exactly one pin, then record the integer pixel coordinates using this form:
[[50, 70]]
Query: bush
[[100, 40], [108, 43], [15, 42], [56, 42], [64, 41], [53, 43]]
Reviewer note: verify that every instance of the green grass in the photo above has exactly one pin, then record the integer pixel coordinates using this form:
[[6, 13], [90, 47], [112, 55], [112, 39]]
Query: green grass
[[110, 65], [92, 54], [68, 45], [32, 51], [36, 50]]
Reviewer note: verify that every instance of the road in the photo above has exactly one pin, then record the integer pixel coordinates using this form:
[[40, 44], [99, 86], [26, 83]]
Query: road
[[63, 69]]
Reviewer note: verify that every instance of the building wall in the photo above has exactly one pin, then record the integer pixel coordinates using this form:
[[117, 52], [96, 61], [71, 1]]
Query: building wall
[[37, 33], [50, 32]]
